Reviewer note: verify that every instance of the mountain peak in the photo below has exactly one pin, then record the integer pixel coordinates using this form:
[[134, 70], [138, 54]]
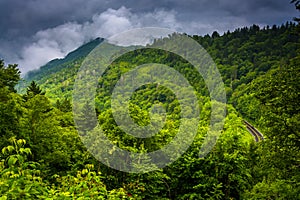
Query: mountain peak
[[60, 63]]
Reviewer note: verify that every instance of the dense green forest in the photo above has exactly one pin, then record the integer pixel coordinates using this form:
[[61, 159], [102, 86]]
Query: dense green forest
[[43, 156]]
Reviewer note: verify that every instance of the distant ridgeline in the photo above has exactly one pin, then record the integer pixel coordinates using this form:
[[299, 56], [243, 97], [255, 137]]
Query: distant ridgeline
[[58, 64], [241, 56], [46, 72]]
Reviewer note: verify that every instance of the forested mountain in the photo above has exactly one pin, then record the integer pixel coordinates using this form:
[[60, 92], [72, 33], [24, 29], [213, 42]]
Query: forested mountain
[[69, 63], [59, 64], [43, 156], [241, 56]]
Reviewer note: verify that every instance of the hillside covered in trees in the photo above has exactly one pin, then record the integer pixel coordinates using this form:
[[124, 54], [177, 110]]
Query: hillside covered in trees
[[43, 157]]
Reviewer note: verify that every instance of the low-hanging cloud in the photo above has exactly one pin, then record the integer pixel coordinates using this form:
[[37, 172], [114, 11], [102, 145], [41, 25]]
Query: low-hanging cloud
[[58, 41], [34, 32]]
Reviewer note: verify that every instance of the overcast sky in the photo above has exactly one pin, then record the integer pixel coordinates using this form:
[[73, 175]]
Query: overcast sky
[[33, 32]]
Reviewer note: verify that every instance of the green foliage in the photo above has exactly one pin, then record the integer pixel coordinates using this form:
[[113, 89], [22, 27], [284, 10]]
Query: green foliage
[[10, 108], [279, 189], [260, 69], [272, 102], [64, 105], [32, 90], [241, 56], [19, 178], [9, 76]]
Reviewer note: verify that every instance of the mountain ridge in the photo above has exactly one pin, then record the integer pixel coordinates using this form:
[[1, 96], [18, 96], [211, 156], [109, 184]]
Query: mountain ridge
[[53, 65], [241, 56]]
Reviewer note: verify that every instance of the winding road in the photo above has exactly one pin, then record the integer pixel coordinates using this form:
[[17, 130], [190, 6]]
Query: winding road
[[258, 136]]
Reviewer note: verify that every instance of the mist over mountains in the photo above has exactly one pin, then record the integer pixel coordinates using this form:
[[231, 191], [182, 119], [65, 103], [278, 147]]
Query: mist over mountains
[[33, 33]]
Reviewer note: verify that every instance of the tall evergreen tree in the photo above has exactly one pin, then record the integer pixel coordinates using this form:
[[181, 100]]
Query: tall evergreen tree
[[32, 90], [9, 76]]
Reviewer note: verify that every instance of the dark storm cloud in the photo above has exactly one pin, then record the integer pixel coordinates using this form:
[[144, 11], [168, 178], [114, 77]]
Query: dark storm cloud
[[27, 17], [34, 31]]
